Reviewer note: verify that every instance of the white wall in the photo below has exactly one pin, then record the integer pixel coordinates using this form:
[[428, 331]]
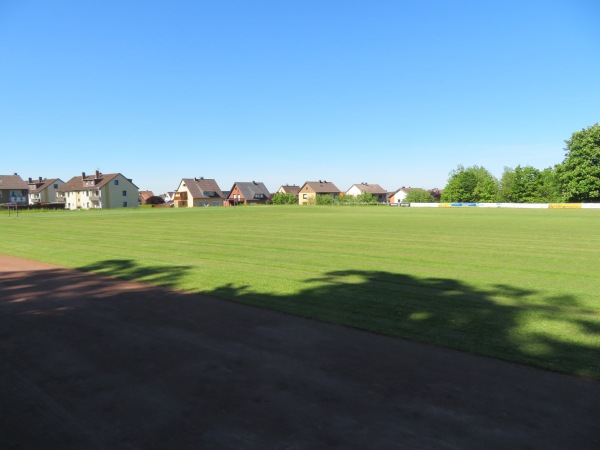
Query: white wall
[[510, 205]]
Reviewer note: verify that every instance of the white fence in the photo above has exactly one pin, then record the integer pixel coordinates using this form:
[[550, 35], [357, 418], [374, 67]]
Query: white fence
[[509, 205]]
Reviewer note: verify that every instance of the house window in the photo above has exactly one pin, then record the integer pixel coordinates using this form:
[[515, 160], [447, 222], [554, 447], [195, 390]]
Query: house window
[[304, 195], [116, 182], [124, 204], [124, 193], [56, 186]]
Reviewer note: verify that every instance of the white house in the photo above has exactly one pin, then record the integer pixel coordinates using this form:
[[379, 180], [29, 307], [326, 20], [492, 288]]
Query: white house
[[45, 190], [365, 188], [400, 194], [100, 191]]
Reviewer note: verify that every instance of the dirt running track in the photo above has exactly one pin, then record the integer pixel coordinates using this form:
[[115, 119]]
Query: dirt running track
[[92, 362]]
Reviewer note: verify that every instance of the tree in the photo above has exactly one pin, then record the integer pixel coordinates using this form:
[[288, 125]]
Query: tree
[[521, 185], [528, 185], [419, 196], [505, 188], [550, 188], [579, 173], [155, 200], [473, 184]]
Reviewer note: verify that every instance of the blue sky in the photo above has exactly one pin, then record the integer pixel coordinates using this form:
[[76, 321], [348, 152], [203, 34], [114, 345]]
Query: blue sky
[[391, 92]]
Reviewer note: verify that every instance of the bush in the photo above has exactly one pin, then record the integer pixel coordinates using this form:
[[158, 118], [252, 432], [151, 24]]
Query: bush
[[419, 196], [284, 199], [155, 200], [324, 199]]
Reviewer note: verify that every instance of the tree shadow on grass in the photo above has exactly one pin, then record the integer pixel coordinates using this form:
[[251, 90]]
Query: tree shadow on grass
[[554, 332], [557, 333], [128, 269]]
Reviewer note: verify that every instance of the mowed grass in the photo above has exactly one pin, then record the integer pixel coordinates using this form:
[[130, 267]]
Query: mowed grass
[[522, 285]]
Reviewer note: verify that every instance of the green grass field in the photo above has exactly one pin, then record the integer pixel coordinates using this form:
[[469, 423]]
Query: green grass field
[[522, 285]]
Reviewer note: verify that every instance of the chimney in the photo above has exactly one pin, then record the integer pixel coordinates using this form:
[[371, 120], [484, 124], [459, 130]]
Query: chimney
[[40, 178], [16, 174], [97, 174], [30, 180], [82, 174]]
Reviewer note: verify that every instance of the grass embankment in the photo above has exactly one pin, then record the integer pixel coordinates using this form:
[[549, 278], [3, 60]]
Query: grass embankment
[[521, 285]]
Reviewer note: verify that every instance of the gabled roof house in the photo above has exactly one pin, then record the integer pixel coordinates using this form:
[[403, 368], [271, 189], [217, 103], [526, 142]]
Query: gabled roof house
[[251, 192], [45, 190], [100, 191], [198, 192], [289, 189], [143, 196], [365, 188], [309, 191], [400, 194], [13, 190], [168, 197]]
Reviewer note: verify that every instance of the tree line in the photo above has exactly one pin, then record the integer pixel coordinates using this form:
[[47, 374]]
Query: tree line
[[576, 179]]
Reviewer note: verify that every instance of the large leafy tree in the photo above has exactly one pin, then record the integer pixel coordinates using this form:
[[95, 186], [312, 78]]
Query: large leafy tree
[[506, 184], [528, 185], [550, 188], [579, 173], [471, 184]]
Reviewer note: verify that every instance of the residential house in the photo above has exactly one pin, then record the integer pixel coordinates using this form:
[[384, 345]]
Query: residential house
[[248, 193], [45, 190], [198, 192], [375, 190], [13, 190], [309, 191], [400, 194], [289, 189], [168, 197], [100, 191], [143, 196]]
